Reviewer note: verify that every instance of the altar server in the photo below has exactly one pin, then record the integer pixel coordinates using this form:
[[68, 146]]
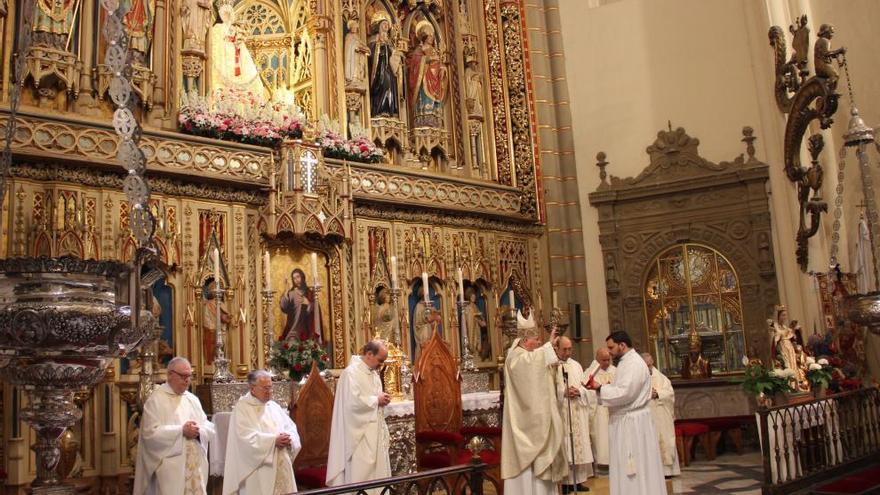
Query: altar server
[[635, 467], [262, 443], [359, 441], [602, 372], [573, 400], [172, 454], [663, 409], [533, 434]]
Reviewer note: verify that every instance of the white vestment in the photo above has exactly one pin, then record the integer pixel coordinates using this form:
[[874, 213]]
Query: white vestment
[[663, 410], [635, 467], [167, 461], [254, 465], [359, 441], [532, 456], [599, 413], [580, 418], [232, 66]]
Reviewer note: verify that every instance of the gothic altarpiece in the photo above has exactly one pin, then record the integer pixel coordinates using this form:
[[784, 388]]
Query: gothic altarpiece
[[441, 85]]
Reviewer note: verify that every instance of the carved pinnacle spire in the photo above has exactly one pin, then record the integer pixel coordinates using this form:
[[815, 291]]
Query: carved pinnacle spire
[[601, 163]]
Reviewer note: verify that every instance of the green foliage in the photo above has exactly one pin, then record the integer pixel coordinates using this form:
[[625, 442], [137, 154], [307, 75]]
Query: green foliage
[[819, 375], [296, 356], [759, 380]]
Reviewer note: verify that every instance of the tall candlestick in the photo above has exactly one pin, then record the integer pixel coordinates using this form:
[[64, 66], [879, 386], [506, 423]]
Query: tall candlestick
[[394, 272], [512, 299], [267, 275], [216, 256], [425, 287], [555, 300], [460, 286], [315, 269]]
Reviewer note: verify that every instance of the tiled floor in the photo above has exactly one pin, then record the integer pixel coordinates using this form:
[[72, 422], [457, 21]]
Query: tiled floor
[[728, 474]]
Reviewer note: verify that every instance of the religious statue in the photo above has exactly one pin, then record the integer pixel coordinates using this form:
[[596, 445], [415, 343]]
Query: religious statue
[[232, 66], [209, 319], [802, 384], [782, 340], [423, 322], [475, 323], [383, 315], [139, 22], [53, 22], [823, 55], [426, 78], [384, 65], [694, 365], [298, 303], [474, 86], [195, 19], [355, 57]]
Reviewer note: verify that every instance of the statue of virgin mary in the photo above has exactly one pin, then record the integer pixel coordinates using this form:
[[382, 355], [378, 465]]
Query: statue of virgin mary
[[232, 66]]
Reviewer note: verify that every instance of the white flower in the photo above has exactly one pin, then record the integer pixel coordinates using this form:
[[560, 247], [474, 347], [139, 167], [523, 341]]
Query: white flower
[[745, 361], [776, 372], [815, 366], [790, 373], [823, 362], [810, 360]]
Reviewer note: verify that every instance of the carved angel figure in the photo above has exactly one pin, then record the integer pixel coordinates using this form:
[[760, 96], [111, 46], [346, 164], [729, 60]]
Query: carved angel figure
[[823, 55]]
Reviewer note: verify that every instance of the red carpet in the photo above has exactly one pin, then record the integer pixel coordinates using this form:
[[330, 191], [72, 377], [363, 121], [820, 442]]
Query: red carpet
[[860, 483]]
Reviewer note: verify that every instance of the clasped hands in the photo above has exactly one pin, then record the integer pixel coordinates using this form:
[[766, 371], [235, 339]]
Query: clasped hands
[[282, 441], [384, 399], [191, 429], [573, 393]]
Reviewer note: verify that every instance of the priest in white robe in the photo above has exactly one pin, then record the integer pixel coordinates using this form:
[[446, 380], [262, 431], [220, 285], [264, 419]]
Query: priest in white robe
[[172, 455], [261, 444], [663, 409], [572, 396], [359, 440], [532, 439], [635, 467], [602, 372]]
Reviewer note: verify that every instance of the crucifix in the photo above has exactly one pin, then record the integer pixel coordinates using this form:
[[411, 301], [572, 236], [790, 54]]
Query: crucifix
[[308, 161]]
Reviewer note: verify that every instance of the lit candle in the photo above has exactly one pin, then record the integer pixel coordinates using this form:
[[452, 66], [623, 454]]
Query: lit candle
[[314, 269], [512, 299], [394, 272], [267, 275], [555, 300], [425, 286], [460, 286], [216, 256]]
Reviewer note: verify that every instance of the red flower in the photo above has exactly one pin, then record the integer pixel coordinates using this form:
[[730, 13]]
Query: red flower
[[286, 345], [297, 367], [325, 358], [301, 349]]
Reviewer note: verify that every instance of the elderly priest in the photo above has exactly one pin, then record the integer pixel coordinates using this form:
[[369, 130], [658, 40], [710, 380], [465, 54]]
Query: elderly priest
[[359, 440], [602, 372], [533, 434], [172, 452], [575, 413], [663, 410], [262, 443]]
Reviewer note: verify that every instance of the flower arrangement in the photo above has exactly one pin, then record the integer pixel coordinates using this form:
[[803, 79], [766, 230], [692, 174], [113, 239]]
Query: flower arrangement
[[357, 149], [241, 117], [818, 372], [760, 381], [296, 356]]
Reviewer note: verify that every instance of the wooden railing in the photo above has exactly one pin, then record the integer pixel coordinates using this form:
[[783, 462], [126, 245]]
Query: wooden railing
[[806, 442], [466, 479]]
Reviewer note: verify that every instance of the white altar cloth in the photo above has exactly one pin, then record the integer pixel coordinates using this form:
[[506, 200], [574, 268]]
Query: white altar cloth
[[475, 401]]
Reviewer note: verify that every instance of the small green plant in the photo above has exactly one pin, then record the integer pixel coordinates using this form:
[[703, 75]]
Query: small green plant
[[759, 380], [296, 357], [819, 373]]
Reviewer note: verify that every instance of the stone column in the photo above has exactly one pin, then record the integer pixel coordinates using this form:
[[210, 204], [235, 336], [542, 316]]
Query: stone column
[[320, 85], [88, 54], [159, 54]]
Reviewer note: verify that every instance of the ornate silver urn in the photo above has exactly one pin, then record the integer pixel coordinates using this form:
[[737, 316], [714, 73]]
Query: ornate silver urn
[[61, 323], [864, 309]]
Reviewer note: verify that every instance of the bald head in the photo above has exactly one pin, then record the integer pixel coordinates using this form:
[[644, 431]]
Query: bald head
[[603, 357], [649, 359], [563, 348]]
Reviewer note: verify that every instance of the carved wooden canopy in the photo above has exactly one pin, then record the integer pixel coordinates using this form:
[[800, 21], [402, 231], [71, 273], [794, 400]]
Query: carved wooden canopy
[[679, 198]]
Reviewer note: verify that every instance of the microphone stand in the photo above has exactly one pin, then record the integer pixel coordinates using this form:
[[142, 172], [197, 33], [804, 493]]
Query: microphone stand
[[570, 433]]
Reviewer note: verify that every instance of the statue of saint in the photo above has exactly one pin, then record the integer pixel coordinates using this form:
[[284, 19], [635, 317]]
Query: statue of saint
[[474, 323], [195, 19], [138, 22], [423, 323], [355, 57], [426, 79], [232, 66], [474, 85], [782, 340], [383, 315], [298, 303], [209, 320], [694, 365], [53, 22], [384, 65]]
